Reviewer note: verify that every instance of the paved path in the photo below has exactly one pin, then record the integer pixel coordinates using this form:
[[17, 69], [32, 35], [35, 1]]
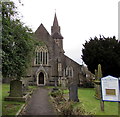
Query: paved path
[[39, 103]]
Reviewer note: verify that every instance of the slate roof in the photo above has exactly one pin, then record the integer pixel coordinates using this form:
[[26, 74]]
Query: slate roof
[[57, 35]]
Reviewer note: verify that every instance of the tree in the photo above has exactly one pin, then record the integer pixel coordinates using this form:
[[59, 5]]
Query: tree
[[104, 51], [17, 43]]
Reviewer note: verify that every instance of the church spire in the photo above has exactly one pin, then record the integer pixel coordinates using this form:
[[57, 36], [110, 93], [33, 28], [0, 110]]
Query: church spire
[[55, 29], [56, 34], [55, 23]]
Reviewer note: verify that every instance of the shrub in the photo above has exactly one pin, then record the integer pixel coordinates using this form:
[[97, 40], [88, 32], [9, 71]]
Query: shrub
[[67, 108], [70, 108], [58, 96], [81, 111], [57, 93], [87, 84]]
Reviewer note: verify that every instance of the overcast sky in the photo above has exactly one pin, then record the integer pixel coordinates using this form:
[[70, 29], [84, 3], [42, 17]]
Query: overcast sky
[[79, 20]]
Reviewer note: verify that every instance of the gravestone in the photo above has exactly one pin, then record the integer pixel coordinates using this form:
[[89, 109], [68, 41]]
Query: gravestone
[[59, 81], [16, 88], [56, 81], [63, 83], [25, 84], [16, 92], [73, 92]]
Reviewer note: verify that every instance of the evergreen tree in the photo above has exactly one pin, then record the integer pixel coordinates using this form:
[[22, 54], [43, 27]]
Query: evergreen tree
[[104, 51]]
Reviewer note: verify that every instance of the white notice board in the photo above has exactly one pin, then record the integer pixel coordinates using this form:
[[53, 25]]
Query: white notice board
[[110, 88]]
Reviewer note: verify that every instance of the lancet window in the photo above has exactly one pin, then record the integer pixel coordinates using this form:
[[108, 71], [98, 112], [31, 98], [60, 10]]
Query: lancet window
[[59, 67], [69, 71]]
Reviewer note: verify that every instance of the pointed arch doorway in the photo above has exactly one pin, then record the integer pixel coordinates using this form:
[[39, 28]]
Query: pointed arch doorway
[[41, 78]]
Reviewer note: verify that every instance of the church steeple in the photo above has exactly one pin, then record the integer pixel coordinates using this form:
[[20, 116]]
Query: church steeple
[[55, 23], [55, 29], [56, 34]]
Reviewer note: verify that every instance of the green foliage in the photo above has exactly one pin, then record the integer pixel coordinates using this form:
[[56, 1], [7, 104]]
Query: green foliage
[[87, 84], [104, 51], [17, 43], [57, 94], [71, 108], [67, 108], [80, 110], [8, 10], [57, 97]]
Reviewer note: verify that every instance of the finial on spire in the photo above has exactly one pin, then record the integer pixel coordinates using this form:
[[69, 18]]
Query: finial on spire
[[55, 10]]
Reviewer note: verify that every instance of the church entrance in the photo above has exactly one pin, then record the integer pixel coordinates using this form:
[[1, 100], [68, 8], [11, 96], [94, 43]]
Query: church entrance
[[41, 78]]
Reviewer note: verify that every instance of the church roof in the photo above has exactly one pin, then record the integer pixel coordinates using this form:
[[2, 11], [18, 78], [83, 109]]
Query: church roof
[[41, 29], [57, 35]]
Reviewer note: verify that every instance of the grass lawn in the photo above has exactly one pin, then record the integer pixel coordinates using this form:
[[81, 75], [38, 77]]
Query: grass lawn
[[51, 87], [9, 107], [32, 87], [86, 96]]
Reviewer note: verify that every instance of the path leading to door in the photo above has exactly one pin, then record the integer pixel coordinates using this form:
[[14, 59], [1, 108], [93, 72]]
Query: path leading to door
[[39, 103]]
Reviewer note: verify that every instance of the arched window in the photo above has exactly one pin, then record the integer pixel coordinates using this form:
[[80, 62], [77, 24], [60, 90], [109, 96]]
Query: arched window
[[69, 71], [59, 67], [41, 55]]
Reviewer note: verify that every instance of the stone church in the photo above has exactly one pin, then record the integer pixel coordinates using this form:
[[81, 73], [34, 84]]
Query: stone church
[[50, 64]]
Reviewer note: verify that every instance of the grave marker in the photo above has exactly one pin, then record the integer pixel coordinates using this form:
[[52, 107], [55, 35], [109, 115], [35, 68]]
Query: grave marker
[[73, 92], [16, 88]]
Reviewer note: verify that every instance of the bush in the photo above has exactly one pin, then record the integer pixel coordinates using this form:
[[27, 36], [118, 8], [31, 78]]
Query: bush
[[81, 111], [57, 93], [58, 96], [67, 108], [87, 84], [70, 108]]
